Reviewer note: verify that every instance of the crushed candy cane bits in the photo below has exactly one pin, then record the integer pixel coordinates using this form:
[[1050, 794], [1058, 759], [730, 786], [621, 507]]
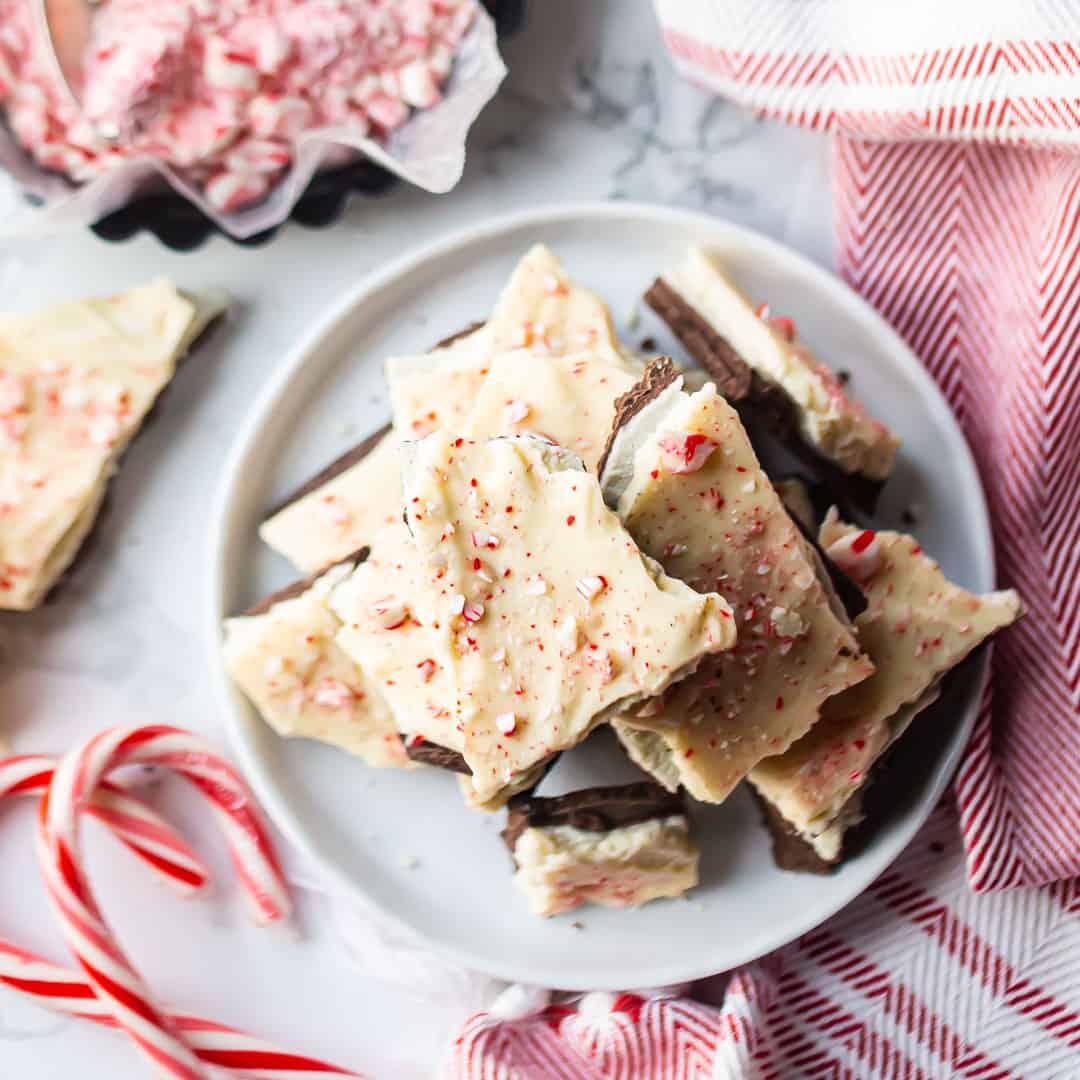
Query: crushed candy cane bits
[[221, 92]]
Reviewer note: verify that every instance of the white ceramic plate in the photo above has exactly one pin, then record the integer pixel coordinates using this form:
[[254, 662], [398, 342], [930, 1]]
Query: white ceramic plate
[[365, 827]]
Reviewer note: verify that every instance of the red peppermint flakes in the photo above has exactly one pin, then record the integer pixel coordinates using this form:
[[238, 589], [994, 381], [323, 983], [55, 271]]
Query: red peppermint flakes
[[473, 611], [684, 452], [389, 612], [589, 588]]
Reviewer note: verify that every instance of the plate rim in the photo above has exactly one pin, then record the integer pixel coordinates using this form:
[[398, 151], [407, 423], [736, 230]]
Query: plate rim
[[237, 712]]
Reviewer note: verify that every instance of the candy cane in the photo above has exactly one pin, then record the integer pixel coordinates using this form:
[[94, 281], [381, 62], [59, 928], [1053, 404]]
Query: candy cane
[[141, 829], [146, 833], [179, 1046]]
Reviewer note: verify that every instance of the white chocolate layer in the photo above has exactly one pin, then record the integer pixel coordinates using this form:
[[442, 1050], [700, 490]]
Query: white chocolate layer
[[560, 867], [567, 399]]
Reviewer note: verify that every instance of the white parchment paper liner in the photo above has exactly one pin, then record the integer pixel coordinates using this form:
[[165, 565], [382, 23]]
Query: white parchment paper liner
[[428, 151]]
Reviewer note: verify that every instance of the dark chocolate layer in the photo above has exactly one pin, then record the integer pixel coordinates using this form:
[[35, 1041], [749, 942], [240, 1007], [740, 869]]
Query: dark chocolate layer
[[658, 376], [429, 753], [464, 332], [759, 398], [598, 809], [790, 851]]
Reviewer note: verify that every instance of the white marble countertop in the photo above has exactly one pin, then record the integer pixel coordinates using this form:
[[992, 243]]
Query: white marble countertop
[[591, 110]]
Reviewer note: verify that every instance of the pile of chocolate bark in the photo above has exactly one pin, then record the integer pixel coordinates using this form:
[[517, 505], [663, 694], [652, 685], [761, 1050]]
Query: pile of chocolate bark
[[557, 532]]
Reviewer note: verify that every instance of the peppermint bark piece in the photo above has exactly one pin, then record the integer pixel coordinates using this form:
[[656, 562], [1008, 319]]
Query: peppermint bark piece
[[916, 627], [76, 383], [540, 309], [686, 483], [619, 846], [569, 400], [385, 635], [341, 508], [545, 613], [283, 654], [760, 365]]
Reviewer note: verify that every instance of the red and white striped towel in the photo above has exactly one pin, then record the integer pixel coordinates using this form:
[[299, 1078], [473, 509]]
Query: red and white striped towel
[[955, 131]]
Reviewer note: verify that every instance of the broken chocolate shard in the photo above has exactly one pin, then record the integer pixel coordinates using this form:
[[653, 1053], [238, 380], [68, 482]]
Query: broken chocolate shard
[[789, 850], [298, 588], [757, 398], [429, 753], [658, 376], [598, 809]]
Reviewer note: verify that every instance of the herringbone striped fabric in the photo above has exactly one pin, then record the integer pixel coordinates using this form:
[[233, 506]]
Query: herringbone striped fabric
[[955, 134]]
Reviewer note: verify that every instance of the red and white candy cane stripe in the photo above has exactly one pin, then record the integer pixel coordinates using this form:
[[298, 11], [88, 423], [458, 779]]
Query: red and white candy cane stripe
[[155, 841], [139, 827], [178, 1046], [146, 833]]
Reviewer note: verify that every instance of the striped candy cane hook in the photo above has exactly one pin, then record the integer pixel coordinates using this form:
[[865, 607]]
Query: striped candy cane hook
[[178, 1045]]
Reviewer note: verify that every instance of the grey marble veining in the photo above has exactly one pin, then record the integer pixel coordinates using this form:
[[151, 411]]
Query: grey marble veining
[[591, 110]]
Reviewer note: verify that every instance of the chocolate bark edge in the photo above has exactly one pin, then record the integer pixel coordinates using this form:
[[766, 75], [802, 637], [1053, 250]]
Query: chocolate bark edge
[[761, 399], [657, 377], [298, 588], [429, 753], [464, 332], [789, 850], [598, 809], [336, 467], [851, 596], [733, 376]]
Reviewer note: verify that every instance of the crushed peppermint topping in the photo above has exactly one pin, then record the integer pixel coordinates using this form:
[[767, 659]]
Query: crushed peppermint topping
[[516, 410], [589, 588], [506, 723], [103, 430], [535, 585], [13, 396], [427, 669], [457, 603], [685, 452], [858, 554], [600, 661], [333, 694], [786, 623], [484, 539], [473, 611], [568, 633], [389, 612]]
